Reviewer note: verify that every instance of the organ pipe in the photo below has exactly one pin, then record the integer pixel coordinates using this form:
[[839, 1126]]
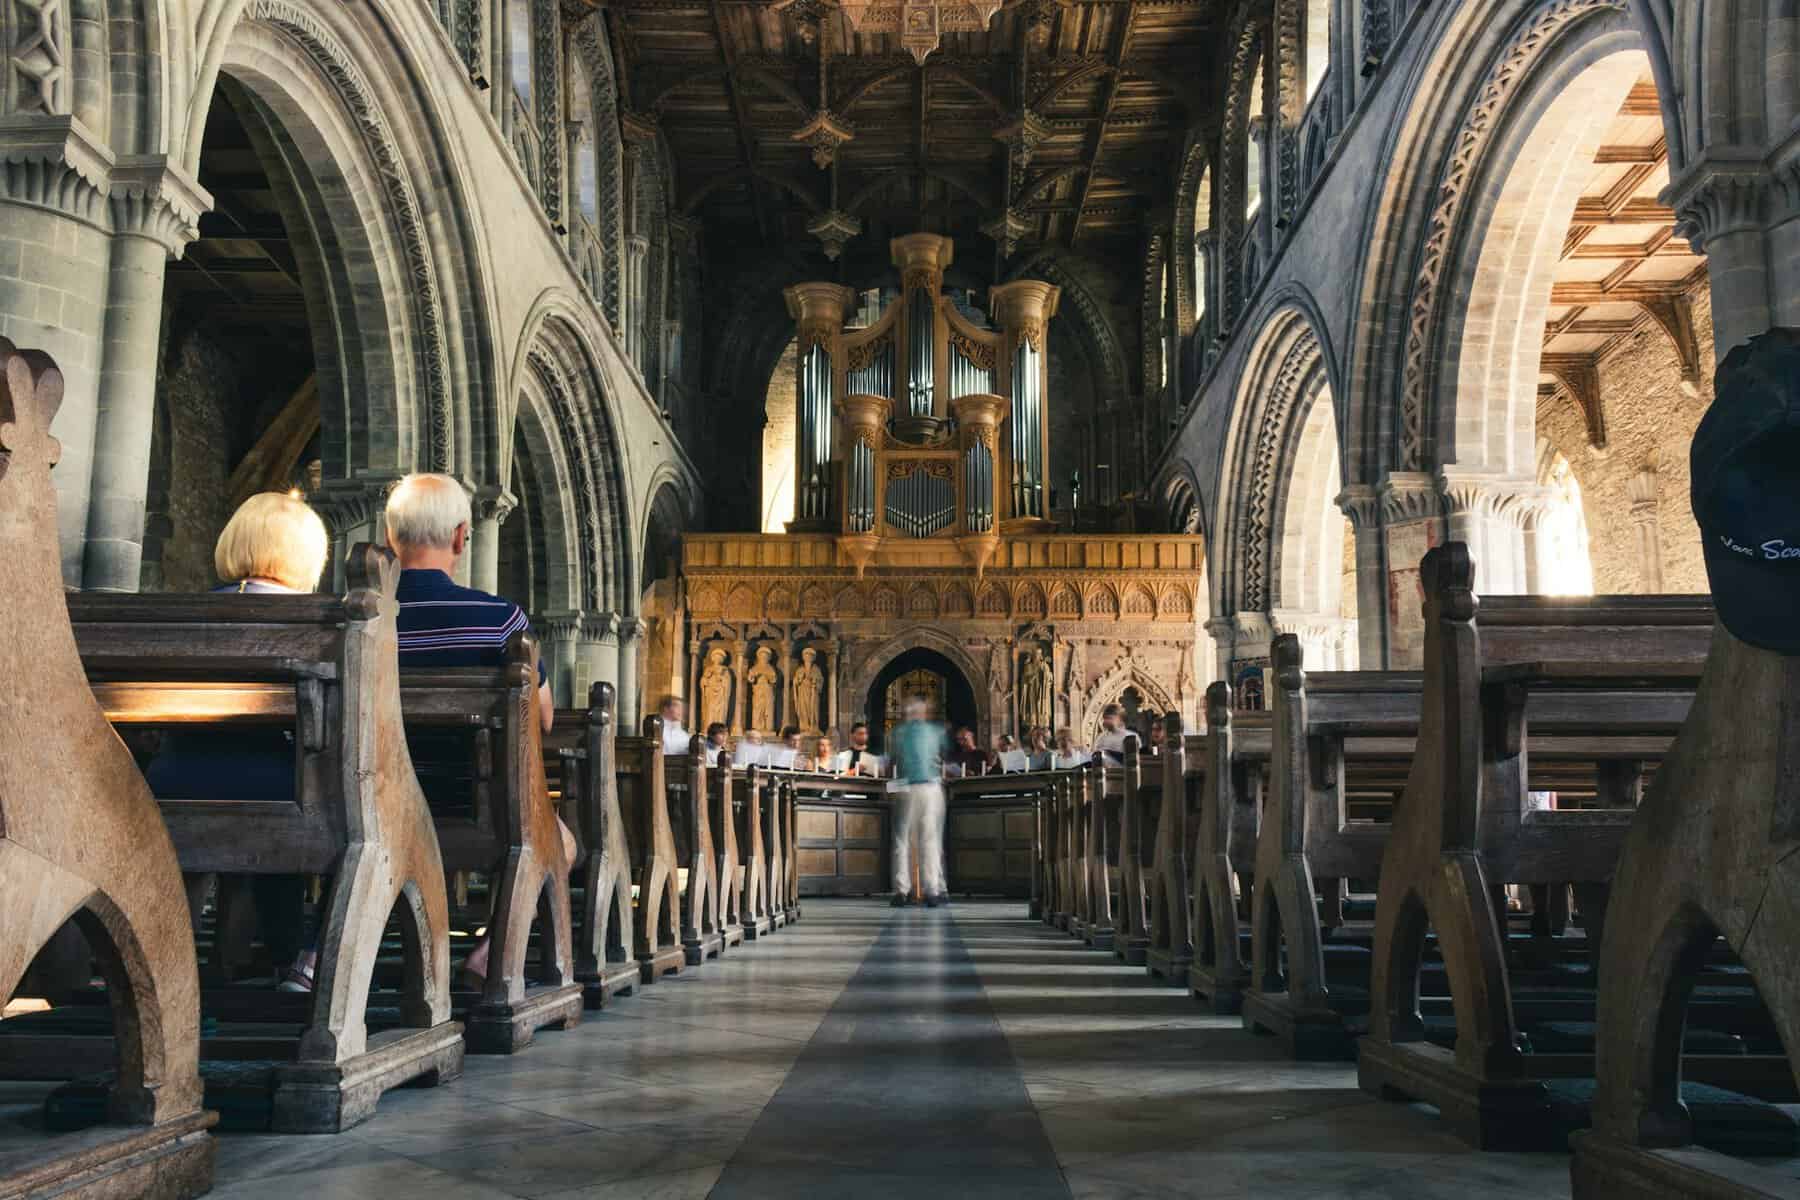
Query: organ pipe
[[921, 348], [1027, 432], [815, 434]]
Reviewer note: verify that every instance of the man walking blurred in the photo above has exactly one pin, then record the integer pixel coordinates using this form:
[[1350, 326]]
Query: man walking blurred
[[919, 747]]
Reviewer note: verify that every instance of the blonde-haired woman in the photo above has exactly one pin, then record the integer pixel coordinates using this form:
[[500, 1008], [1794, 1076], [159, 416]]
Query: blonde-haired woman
[[274, 543]]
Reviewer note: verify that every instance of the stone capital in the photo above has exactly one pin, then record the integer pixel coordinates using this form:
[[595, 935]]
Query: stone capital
[[630, 630], [55, 163], [1483, 494], [1409, 496], [153, 197], [1361, 504], [347, 503], [564, 625], [603, 628], [493, 504], [1725, 191]]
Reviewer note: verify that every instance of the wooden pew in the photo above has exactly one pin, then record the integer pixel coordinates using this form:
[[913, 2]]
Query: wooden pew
[[778, 833], [724, 798], [644, 802], [1305, 835], [753, 846], [1711, 853], [991, 842], [792, 881], [508, 831], [1225, 846], [1170, 953], [1596, 670], [606, 962], [1096, 919], [81, 838], [326, 669], [689, 811], [1139, 800]]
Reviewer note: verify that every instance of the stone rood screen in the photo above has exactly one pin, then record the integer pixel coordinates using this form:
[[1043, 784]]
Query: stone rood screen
[[922, 425]]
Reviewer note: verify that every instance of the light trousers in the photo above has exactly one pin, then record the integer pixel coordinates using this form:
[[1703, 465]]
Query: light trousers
[[919, 808]]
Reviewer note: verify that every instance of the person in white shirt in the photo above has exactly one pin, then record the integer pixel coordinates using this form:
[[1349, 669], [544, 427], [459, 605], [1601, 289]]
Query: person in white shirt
[[718, 740], [676, 739], [1068, 756], [858, 759], [752, 751], [1111, 742]]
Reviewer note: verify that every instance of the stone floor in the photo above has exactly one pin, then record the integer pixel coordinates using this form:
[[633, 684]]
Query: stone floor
[[867, 1052]]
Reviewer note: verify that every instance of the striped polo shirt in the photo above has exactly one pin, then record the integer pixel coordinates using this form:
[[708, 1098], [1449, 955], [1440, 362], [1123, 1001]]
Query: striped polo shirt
[[443, 624]]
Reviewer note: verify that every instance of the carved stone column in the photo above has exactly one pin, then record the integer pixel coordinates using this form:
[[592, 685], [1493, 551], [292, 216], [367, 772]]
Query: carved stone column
[[1362, 505], [740, 687], [693, 675], [631, 632], [492, 505], [352, 510], [1412, 523], [599, 651], [828, 655], [559, 634], [87, 298], [155, 209], [637, 280], [1645, 521]]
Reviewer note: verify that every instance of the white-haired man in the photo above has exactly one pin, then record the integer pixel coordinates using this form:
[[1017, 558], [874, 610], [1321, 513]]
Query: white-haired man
[[919, 748], [441, 623]]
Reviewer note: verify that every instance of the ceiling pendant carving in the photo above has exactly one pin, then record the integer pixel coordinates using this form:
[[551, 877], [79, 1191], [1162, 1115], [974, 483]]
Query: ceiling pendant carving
[[919, 24]]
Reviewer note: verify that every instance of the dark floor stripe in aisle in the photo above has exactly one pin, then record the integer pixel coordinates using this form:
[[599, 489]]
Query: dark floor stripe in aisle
[[908, 1089]]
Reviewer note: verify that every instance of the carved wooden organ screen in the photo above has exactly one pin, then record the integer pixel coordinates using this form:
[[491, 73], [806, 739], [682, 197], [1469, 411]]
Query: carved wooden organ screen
[[924, 423]]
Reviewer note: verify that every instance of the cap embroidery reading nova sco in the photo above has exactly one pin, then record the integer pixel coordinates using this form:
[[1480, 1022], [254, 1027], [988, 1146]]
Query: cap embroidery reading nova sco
[[1745, 468]]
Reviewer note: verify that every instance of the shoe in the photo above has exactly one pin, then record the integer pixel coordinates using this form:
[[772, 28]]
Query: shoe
[[295, 979], [899, 900], [936, 901]]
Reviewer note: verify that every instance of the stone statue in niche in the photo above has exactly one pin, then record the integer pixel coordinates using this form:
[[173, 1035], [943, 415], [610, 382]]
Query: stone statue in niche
[[1037, 687], [715, 690], [809, 681], [763, 679]]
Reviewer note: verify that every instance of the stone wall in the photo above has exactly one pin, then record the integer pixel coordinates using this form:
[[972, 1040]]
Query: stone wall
[[198, 392], [1650, 422], [780, 411]]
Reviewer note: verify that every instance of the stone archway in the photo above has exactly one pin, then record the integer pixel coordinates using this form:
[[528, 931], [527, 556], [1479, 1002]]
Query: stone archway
[[855, 685], [1127, 672]]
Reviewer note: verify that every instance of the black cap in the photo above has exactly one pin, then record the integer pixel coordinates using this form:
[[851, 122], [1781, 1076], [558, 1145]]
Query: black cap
[[1745, 487]]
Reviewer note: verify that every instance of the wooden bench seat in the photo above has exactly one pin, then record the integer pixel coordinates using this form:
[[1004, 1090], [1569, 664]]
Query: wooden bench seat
[[606, 962], [724, 797], [81, 838], [1710, 856], [644, 803], [1140, 806], [325, 669], [1496, 674], [759, 795], [1230, 813], [491, 804], [691, 819], [1170, 953]]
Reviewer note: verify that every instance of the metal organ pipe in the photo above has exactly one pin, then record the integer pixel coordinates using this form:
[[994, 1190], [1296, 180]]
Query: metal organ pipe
[[1028, 429], [815, 433], [920, 345]]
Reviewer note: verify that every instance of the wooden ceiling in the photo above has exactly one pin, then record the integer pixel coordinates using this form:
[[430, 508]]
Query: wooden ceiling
[[1622, 266], [732, 82]]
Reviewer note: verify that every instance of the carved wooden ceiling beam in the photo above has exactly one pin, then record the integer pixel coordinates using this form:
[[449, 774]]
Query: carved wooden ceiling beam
[[1097, 144]]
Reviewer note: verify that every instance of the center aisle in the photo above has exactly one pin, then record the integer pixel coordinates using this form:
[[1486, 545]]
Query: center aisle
[[908, 1090]]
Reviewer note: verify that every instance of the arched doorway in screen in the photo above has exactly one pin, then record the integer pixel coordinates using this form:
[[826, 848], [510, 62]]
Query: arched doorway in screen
[[918, 672]]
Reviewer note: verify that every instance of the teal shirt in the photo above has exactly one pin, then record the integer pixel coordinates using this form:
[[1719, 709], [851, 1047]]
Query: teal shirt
[[919, 751]]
